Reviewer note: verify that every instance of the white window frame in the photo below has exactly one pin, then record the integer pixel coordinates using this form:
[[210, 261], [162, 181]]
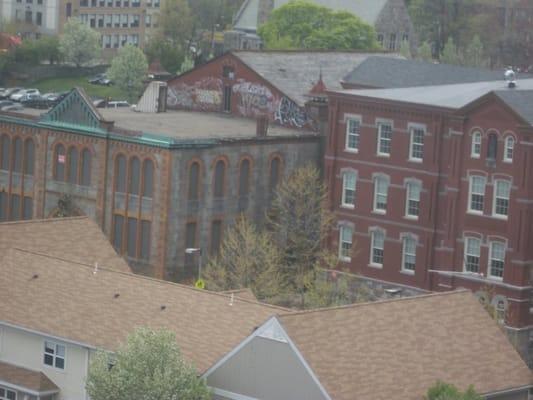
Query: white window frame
[[471, 254], [54, 355], [351, 134], [6, 390], [495, 198], [475, 151], [373, 246], [495, 259], [409, 197], [508, 149], [413, 144], [345, 189], [345, 245], [406, 254], [384, 194], [471, 194], [380, 138]]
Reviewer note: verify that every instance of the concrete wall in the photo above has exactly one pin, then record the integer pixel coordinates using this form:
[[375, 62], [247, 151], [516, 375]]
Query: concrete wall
[[26, 350], [268, 370]]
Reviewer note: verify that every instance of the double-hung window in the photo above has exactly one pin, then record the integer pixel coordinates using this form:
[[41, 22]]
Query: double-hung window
[[381, 188], [384, 138], [345, 243], [472, 254], [412, 201], [475, 152], [509, 149], [502, 193], [353, 129], [6, 394], [54, 355], [348, 189], [377, 246], [496, 259], [409, 254], [477, 194], [416, 148]]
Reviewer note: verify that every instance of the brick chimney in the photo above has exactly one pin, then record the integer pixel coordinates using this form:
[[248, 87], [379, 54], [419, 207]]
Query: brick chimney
[[261, 126]]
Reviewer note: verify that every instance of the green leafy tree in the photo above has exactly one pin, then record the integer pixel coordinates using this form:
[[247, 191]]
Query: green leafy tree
[[170, 56], [248, 258], [424, 52], [175, 22], [128, 69], [446, 391], [48, 49], [148, 366], [475, 53], [302, 24], [450, 55], [78, 43]]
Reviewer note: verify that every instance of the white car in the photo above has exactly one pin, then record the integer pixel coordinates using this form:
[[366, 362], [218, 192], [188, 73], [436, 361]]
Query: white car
[[17, 96]]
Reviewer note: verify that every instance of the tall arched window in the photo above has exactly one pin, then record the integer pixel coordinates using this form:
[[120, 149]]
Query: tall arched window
[[148, 178], [59, 160], [135, 173], [5, 143], [492, 149], [86, 167], [220, 171], [29, 157], [509, 149], [244, 178], [194, 182], [475, 152], [17, 162], [275, 170], [120, 174], [72, 165]]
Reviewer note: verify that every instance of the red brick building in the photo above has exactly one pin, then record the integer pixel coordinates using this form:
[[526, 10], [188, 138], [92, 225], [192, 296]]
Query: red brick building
[[432, 189]]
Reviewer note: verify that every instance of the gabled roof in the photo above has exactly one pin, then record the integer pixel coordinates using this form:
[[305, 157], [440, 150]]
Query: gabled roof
[[520, 101], [368, 10], [400, 348], [296, 72], [33, 382], [67, 300], [385, 72], [78, 239]]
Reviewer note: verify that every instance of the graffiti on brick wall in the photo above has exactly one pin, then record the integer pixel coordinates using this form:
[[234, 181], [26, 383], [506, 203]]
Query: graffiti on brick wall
[[204, 95], [288, 113], [253, 99]]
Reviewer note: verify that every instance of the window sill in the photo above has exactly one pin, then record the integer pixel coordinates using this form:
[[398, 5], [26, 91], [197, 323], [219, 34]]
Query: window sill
[[348, 206], [376, 266], [345, 259], [384, 155], [353, 151], [411, 217], [379, 212], [416, 160], [500, 217], [475, 157], [407, 272], [474, 212], [495, 278], [507, 161]]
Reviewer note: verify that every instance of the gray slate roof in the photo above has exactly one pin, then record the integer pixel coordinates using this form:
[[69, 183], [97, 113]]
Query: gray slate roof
[[367, 10], [520, 101], [295, 72], [447, 96], [387, 72]]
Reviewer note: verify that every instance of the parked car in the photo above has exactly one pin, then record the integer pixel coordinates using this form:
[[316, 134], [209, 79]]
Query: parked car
[[9, 91], [5, 103], [18, 95], [117, 104], [35, 101], [13, 107], [100, 79], [58, 98]]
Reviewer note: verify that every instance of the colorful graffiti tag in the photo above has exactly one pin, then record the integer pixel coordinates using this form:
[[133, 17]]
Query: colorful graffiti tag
[[288, 113], [253, 99], [204, 95]]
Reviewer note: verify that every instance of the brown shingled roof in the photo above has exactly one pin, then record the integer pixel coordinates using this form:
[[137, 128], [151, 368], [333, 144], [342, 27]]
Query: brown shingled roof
[[78, 239], [67, 300], [33, 381], [245, 293], [397, 349]]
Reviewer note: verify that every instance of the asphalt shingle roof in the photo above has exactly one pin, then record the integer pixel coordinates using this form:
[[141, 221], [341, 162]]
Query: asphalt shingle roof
[[520, 101], [34, 381], [397, 349]]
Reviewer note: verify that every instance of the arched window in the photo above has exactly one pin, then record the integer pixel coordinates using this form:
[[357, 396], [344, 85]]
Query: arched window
[[120, 174], [220, 171], [135, 173], [244, 178], [194, 182], [29, 156], [492, 149], [60, 160], [275, 170], [148, 178], [476, 145], [509, 149], [72, 165], [17, 162], [5, 143], [86, 167]]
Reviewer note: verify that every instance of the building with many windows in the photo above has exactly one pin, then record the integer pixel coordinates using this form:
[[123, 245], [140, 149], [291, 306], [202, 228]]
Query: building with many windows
[[431, 187], [155, 183]]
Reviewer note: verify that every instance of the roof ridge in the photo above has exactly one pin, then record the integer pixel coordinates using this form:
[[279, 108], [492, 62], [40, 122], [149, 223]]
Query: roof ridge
[[43, 220], [374, 303], [142, 277], [297, 51]]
